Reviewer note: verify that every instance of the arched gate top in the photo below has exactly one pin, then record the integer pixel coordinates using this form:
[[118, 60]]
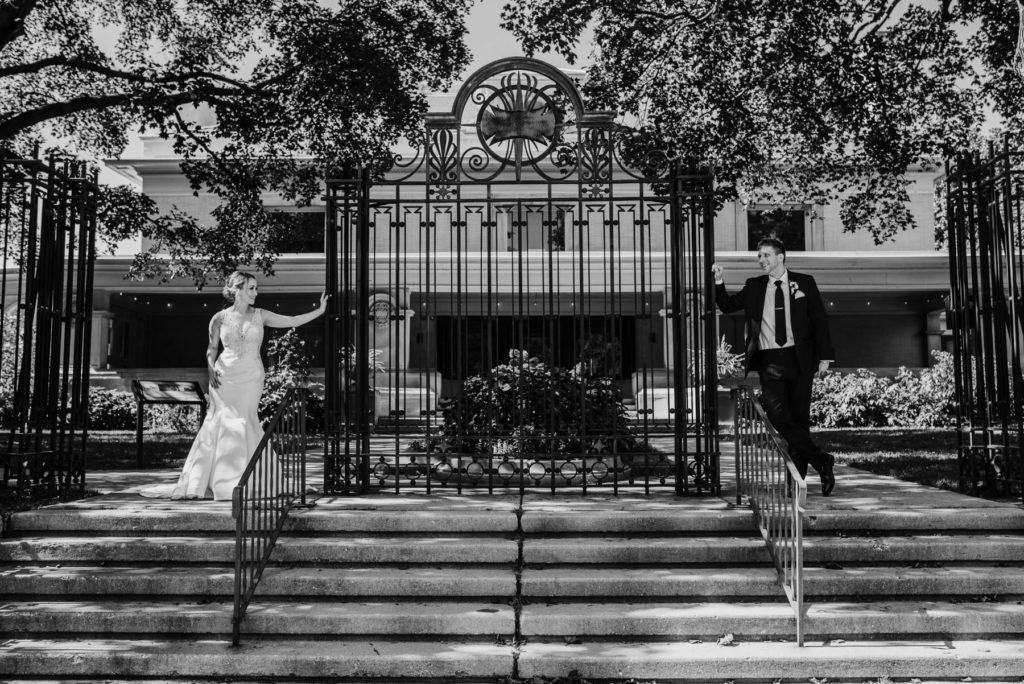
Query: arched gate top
[[522, 66]]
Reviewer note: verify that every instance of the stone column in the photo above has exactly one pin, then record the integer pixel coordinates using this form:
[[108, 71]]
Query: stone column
[[389, 331], [99, 342], [668, 340]]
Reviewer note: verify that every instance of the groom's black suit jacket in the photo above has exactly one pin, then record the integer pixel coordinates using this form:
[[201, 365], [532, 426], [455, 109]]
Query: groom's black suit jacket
[[807, 316]]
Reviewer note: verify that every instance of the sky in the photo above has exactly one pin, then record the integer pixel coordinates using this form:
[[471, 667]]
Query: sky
[[488, 41]]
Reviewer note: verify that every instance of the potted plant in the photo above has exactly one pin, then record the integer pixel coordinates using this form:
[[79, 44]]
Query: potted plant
[[730, 371]]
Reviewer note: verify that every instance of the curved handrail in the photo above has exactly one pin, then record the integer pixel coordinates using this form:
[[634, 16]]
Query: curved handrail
[[767, 476], [273, 482]]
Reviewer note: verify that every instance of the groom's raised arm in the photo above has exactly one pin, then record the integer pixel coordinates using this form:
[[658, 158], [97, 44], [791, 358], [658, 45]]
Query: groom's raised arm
[[726, 303]]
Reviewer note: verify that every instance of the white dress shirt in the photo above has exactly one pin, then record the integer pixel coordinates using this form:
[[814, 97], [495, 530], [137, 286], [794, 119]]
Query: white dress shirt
[[767, 340]]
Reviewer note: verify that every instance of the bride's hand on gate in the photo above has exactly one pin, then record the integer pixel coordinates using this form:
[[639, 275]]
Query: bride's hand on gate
[[323, 302]]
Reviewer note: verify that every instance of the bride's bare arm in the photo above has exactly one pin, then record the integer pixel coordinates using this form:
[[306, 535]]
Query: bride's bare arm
[[212, 347], [274, 320]]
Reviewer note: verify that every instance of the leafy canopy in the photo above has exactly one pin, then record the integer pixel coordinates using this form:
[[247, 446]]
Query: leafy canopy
[[796, 101], [300, 90]]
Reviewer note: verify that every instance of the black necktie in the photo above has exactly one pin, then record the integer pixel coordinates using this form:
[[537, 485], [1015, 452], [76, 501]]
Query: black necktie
[[780, 314]]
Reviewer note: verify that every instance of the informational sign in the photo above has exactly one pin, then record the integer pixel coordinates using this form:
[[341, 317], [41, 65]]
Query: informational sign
[[164, 392], [168, 392]]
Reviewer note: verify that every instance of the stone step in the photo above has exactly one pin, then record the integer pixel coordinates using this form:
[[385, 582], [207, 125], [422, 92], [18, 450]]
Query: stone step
[[180, 517], [922, 548], [111, 617], [263, 659], [182, 549], [984, 517], [714, 516], [705, 581], [204, 680], [463, 581], [380, 514], [623, 620], [630, 516], [540, 582], [468, 660], [761, 582], [190, 581], [674, 661], [887, 580], [752, 550], [645, 550], [540, 515], [771, 620]]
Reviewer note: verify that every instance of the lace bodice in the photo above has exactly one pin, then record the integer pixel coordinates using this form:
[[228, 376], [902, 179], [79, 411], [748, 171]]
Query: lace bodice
[[242, 335]]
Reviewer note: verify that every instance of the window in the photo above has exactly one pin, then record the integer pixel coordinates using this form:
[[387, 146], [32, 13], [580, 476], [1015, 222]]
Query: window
[[529, 227], [302, 232], [788, 224]]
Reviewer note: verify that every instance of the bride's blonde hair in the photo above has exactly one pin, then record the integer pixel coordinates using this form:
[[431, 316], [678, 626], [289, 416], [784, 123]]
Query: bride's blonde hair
[[235, 282]]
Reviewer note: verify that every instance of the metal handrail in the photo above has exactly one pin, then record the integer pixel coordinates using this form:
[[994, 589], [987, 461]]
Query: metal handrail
[[767, 476], [273, 483]]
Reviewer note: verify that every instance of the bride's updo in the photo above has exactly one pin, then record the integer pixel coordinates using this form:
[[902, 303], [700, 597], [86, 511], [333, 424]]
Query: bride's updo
[[235, 282]]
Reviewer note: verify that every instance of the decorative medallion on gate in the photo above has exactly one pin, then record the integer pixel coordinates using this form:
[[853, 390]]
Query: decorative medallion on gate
[[520, 121]]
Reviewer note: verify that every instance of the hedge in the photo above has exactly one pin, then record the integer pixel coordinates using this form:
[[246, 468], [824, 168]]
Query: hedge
[[863, 399]]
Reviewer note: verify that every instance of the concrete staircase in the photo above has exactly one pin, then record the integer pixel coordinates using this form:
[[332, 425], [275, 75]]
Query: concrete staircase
[[475, 588]]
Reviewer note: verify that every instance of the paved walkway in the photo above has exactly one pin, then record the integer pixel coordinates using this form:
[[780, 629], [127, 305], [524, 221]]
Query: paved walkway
[[856, 491]]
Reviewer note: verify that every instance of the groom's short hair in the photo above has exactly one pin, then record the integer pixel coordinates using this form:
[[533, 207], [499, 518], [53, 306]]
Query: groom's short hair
[[774, 243]]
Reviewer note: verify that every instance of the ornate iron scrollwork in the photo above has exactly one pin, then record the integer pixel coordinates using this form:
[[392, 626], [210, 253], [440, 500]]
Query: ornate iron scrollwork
[[444, 151]]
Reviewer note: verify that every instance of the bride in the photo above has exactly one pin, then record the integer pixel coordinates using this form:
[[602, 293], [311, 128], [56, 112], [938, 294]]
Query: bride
[[231, 431]]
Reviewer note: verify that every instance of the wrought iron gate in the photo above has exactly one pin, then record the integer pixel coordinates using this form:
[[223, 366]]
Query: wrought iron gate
[[516, 307], [48, 225], [984, 197]]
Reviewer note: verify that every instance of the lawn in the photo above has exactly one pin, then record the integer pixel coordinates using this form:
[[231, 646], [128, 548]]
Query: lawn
[[923, 455], [115, 449]]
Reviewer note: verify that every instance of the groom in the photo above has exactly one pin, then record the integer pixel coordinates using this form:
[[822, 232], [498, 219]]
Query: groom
[[787, 341]]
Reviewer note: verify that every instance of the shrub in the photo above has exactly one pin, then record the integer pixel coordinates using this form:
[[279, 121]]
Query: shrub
[[117, 409], [527, 406], [924, 400], [862, 399], [290, 367], [111, 409]]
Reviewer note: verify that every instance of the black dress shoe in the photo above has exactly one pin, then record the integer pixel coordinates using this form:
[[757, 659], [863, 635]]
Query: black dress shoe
[[828, 477]]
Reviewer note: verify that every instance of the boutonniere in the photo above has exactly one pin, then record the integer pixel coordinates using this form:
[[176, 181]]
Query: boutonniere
[[794, 290]]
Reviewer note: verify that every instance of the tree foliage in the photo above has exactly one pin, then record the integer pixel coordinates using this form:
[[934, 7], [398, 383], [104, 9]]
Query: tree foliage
[[798, 101], [298, 91]]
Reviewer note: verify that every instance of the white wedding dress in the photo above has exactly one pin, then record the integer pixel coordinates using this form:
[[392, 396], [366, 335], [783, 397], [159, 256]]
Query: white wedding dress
[[231, 431]]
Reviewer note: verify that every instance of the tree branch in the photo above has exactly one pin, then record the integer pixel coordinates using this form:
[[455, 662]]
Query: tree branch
[[13, 125], [875, 23], [634, 9], [1018, 54], [103, 70], [12, 19]]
